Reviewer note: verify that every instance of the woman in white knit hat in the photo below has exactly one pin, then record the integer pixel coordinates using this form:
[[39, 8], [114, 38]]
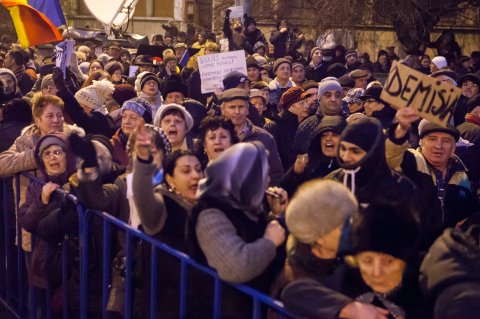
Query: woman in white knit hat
[[87, 107]]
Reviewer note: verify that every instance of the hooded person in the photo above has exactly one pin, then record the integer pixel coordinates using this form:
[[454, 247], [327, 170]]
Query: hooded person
[[56, 163], [11, 89], [319, 160], [378, 278], [231, 228], [449, 273], [363, 164]]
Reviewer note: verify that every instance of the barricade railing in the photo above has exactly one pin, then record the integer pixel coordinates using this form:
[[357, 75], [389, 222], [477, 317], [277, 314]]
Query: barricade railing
[[14, 297]]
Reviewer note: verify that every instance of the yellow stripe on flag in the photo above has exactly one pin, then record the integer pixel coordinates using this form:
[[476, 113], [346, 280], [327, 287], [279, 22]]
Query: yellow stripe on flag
[[19, 26], [32, 26]]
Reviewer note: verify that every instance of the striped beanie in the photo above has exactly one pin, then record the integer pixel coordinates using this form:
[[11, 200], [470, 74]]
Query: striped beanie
[[290, 96]]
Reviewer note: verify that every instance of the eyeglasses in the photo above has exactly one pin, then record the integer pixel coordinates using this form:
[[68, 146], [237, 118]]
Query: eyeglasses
[[469, 85], [54, 153]]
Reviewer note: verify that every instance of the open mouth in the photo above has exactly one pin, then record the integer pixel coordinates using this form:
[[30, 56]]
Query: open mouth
[[330, 146], [218, 149], [172, 133], [54, 166], [193, 187]]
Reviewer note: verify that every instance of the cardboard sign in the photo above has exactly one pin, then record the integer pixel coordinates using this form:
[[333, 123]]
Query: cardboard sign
[[434, 99], [237, 12], [213, 68]]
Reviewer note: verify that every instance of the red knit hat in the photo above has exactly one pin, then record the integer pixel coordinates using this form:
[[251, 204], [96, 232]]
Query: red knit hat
[[123, 92], [290, 96]]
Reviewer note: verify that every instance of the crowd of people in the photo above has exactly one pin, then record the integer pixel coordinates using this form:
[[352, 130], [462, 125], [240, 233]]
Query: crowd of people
[[297, 179]]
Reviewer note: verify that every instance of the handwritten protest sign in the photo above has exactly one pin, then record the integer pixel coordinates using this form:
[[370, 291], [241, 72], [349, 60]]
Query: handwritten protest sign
[[434, 99], [236, 12], [213, 67]]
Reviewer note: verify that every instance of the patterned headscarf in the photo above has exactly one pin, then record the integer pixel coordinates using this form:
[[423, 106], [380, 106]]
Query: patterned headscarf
[[238, 177]]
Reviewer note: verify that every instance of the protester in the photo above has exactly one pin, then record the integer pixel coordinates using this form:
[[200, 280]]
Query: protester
[[319, 160], [282, 69], [216, 135], [435, 169], [40, 213], [132, 113], [235, 107], [233, 233], [294, 111], [380, 284], [318, 237], [329, 98], [176, 122]]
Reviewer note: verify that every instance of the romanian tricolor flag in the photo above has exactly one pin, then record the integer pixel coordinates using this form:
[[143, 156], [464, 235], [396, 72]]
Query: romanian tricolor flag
[[32, 26]]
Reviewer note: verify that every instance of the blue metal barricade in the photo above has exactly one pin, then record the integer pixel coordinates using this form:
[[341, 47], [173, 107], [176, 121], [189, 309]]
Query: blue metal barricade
[[17, 304]]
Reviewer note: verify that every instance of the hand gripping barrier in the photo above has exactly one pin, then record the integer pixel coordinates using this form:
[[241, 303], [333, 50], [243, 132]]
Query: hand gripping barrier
[[13, 293]]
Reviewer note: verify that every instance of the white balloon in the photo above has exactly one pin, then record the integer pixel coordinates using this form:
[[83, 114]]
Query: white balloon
[[112, 12]]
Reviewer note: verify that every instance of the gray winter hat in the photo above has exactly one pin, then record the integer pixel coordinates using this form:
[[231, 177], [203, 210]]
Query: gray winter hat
[[328, 84], [318, 207]]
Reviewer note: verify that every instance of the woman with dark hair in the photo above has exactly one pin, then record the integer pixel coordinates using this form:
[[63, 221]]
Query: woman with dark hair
[[165, 213], [95, 65], [217, 133], [118, 198], [116, 70], [424, 64]]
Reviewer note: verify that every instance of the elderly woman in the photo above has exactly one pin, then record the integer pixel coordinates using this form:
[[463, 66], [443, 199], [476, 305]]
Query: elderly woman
[[217, 133], [378, 282], [133, 111], [233, 232], [176, 122], [40, 213], [47, 114], [147, 85], [317, 236]]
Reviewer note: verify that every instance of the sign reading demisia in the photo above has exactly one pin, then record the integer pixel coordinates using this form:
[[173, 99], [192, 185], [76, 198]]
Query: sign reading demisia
[[406, 87], [213, 68]]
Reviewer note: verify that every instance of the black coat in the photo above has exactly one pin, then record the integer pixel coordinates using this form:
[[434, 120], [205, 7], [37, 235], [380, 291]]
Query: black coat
[[93, 123], [326, 297], [283, 131]]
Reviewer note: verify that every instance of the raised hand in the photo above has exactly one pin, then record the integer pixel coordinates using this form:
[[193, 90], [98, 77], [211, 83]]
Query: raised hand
[[405, 117], [143, 141], [83, 148]]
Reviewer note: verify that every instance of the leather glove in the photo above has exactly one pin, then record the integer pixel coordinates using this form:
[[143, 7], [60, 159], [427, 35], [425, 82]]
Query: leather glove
[[57, 76], [83, 148]]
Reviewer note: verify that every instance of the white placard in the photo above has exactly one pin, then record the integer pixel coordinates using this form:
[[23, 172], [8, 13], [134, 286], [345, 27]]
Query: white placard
[[213, 68], [132, 71], [237, 12], [63, 51]]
